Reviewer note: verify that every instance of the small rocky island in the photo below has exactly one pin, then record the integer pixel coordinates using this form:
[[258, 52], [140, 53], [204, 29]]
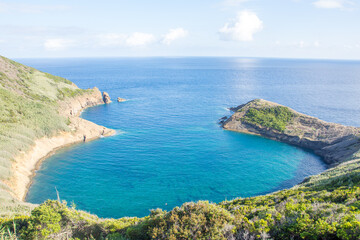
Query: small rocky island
[[334, 142]]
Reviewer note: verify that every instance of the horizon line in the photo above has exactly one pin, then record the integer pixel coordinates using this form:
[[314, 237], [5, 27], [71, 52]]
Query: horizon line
[[133, 57]]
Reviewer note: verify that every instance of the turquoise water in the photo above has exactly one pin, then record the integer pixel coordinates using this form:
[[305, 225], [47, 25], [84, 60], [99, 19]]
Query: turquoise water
[[169, 148]]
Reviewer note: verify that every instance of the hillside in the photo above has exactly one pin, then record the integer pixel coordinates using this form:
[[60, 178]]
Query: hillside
[[38, 113]]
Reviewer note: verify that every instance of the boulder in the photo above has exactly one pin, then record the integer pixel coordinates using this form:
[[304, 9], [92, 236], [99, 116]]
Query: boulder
[[119, 99], [106, 98]]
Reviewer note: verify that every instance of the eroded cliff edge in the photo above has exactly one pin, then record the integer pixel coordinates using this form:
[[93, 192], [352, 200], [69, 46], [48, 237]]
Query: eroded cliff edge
[[25, 163], [335, 143], [39, 113]]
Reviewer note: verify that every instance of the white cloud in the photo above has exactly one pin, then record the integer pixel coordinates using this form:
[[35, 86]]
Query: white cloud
[[174, 34], [301, 44], [139, 39], [242, 28], [317, 44], [332, 4], [57, 44]]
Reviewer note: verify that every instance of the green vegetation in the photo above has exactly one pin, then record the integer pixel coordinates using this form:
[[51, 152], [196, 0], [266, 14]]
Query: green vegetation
[[326, 206], [271, 117], [28, 111]]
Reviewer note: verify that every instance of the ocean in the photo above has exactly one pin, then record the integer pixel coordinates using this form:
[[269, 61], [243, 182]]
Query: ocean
[[169, 148]]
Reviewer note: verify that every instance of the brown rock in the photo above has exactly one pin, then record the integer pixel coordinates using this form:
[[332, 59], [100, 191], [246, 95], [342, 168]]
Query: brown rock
[[334, 142], [106, 98], [119, 99]]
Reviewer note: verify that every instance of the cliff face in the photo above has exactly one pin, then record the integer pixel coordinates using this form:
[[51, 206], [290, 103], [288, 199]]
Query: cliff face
[[334, 142], [39, 113], [81, 130]]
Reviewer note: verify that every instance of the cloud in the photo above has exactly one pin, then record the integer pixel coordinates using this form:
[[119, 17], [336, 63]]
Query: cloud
[[30, 8], [139, 39], [332, 4], [57, 44], [173, 35], [242, 28], [300, 44]]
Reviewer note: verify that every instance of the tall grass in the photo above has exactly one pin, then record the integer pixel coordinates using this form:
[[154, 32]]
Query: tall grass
[[28, 109]]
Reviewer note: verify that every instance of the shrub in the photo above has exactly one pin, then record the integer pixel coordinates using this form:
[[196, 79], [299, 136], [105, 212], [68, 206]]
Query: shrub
[[271, 117]]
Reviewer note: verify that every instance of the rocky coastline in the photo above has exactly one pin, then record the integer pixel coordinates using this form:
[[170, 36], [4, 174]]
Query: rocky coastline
[[26, 163], [335, 143]]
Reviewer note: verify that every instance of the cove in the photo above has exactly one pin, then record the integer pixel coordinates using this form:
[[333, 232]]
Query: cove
[[169, 148]]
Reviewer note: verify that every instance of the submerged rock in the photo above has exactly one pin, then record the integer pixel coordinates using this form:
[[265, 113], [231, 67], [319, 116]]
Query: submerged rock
[[222, 120], [106, 98], [119, 99]]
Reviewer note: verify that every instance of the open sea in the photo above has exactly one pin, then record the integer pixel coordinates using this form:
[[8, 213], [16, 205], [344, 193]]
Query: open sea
[[169, 148]]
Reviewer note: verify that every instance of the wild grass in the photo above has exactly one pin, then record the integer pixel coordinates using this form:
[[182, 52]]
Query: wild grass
[[28, 110], [271, 117]]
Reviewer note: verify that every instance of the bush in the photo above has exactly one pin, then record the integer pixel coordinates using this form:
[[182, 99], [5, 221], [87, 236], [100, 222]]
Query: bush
[[271, 117]]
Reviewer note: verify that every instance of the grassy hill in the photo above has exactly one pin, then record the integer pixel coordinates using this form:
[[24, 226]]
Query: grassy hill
[[29, 110], [325, 206]]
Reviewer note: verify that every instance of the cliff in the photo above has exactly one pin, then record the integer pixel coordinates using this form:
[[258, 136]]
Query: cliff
[[335, 143], [39, 113]]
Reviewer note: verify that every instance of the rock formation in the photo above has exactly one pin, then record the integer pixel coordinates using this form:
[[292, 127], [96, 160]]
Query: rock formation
[[119, 99], [334, 142], [106, 98]]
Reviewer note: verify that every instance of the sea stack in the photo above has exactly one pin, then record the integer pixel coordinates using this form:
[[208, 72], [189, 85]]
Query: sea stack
[[106, 98], [119, 99]]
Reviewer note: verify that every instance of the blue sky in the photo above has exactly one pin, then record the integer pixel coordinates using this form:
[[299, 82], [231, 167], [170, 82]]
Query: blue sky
[[116, 28]]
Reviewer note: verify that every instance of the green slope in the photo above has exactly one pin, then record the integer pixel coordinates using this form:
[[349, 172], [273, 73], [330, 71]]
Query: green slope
[[28, 111]]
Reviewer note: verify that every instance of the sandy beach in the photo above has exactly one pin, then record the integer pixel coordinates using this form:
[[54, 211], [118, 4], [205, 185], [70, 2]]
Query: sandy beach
[[26, 163]]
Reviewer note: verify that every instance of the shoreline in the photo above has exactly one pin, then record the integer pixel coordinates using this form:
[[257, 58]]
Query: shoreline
[[26, 164], [49, 154], [333, 142]]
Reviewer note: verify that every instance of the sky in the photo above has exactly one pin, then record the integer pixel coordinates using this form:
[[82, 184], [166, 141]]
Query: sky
[[325, 29]]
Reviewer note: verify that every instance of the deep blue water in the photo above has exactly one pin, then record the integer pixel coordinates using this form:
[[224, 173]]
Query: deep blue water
[[169, 148]]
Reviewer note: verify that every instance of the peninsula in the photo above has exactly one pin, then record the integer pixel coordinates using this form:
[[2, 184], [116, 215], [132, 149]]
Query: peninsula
[[335, 143], [39, 113]]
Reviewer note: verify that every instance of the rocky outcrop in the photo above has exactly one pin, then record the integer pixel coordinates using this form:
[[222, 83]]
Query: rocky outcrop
[[119, 99], [71, 107], [106, 98], [335, 143], [25, 164]]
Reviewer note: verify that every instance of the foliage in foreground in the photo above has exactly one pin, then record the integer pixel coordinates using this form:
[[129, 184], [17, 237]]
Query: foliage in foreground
[[271, 117], [326, 206]]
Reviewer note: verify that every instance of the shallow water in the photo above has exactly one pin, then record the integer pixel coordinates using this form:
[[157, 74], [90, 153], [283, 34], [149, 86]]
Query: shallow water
[[169, 148]]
